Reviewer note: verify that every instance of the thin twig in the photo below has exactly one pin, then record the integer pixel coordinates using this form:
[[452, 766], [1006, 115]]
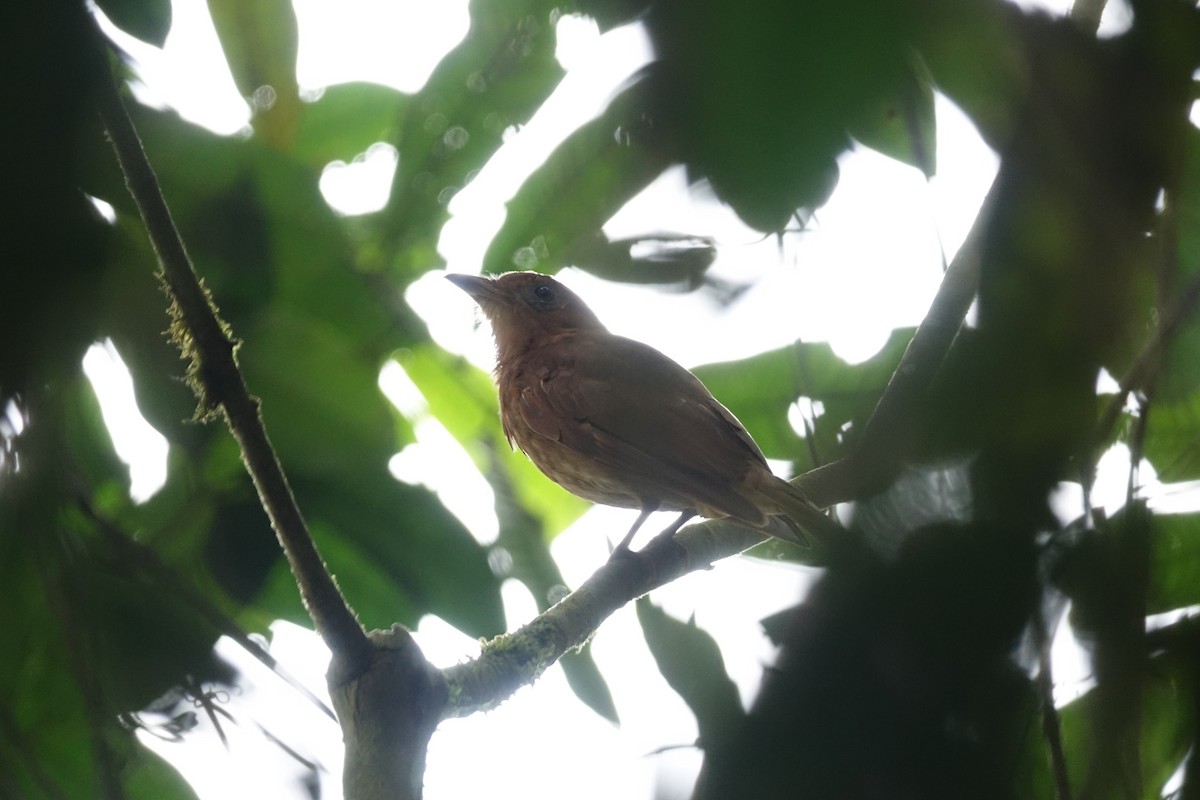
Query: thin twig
[[206, 340], [1051, 725], [1150, 357], [886, 439]]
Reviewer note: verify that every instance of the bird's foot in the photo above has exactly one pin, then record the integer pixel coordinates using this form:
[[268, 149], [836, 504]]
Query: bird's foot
[[623, 549]]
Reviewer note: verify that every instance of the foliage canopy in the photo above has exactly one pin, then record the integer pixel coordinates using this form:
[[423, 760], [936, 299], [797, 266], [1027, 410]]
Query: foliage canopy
[[918, 664]]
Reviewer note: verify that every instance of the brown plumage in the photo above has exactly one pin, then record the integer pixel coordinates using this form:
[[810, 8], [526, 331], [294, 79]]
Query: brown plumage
[[617, 422]]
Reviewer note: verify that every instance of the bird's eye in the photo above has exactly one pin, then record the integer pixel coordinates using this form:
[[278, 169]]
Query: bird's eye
[[544, 293]]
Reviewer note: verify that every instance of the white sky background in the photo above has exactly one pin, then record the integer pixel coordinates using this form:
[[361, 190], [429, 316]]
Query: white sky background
[[885, 228]]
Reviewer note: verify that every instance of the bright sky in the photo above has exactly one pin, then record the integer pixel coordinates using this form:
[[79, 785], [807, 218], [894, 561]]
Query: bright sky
[[884, 228]]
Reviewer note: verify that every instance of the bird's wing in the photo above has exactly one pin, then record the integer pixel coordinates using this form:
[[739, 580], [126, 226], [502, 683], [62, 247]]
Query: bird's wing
[[634, 410]]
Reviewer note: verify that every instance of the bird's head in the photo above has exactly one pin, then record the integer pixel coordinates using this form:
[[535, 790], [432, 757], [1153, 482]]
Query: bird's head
[[524, 306]]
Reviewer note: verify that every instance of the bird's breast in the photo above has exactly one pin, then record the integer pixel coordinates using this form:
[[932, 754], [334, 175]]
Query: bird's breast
[[562, 444]]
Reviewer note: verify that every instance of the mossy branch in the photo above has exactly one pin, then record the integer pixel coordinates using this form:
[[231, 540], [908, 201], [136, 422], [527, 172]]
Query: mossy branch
[[207, 343], [516, 659]]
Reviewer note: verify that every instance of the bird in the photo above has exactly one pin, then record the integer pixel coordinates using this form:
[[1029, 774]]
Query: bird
[[619, 423]]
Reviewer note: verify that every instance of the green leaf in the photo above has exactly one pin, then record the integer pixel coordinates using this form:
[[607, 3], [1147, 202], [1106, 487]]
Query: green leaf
[[973, 50], [1180, 230], [404, 534], [314, 262], [588, 684], [148, 777], [901, 124], [493, 80], [557, 213], [397, 553], [347, 119], [321, 399], [671, 259], [690, 660], [460, 395], [759, 390], [148, 20], [717, 94], [1174, 563], [463, 398], [1136, 759], [260, 41], [1172, 442], [1186, 206]]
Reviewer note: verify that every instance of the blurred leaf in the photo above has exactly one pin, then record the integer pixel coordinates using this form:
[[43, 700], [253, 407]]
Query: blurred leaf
[[902, 123], [588, 684], [1172, 442], [894, 672], [690, 660], [240, 549], [460, 395], [584, 181], [759, 390], [98, 636], [257, 227], [148, 777], [920, 495], [974, 50], [1106, 576], [347, 119], [148, 20], [409, 555], [464, 399], [151, 637], [716, 90], [321, 400], [398, 554], [1180, 378], [1180, 373], [1186, 207], [315, 268], [1162, 735], [209, 183], [55, 243], [92, 450], [670, 259], [1174, 563], [260, 41], [492, 81]]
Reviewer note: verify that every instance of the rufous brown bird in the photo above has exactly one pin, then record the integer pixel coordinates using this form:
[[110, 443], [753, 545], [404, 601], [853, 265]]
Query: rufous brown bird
[[617, 422]]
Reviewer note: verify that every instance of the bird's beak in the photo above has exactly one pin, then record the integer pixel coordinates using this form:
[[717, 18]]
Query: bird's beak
[[481, 288]]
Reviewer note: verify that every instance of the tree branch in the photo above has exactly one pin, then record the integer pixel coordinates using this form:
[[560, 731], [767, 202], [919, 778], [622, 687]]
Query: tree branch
[[513, 660], [1051, 725], [888, 435], [214, 374]]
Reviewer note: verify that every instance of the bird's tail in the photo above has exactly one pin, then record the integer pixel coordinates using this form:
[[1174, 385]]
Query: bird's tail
[[804, 520]]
